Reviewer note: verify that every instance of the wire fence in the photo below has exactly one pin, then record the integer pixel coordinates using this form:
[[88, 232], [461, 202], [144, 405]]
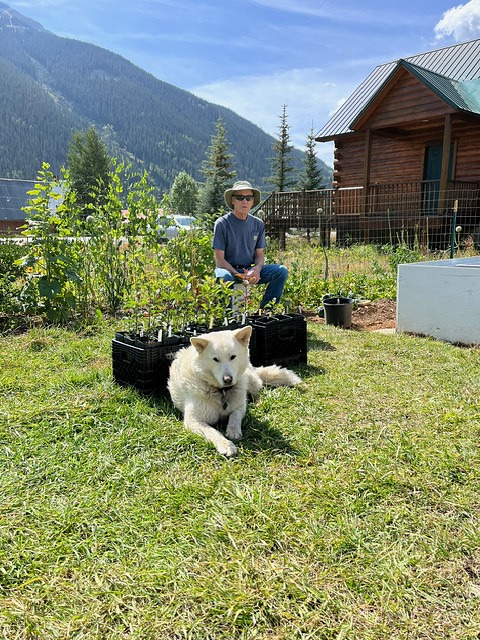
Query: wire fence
[[410, 213]]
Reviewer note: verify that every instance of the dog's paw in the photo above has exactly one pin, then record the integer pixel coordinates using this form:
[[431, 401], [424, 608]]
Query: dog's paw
[[233, 433], [227, 449]]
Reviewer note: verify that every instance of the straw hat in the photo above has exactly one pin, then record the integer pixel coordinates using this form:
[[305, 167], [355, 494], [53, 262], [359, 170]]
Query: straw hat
[[240, 186]]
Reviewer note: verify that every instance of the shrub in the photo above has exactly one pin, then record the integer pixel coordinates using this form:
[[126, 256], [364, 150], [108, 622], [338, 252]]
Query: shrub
[[12, 277]]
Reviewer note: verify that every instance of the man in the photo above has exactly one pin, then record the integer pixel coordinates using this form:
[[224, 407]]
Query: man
[[239, 244]]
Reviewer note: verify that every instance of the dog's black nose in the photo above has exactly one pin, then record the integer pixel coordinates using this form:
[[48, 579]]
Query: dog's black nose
[[227, 379]]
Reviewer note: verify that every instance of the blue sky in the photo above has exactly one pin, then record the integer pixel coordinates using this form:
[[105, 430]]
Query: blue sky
[[254, 56]]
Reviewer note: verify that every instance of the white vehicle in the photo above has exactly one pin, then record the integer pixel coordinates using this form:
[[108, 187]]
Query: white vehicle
[[169, 226]]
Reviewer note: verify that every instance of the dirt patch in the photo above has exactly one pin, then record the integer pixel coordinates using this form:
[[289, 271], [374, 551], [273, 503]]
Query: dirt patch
[[379, 314]]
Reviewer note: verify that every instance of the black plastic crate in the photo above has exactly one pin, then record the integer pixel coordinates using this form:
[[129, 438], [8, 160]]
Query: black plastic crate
[[144, 366], [278, 339]]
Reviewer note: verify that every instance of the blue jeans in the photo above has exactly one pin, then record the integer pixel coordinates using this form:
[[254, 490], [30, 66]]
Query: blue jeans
[[273, 275]]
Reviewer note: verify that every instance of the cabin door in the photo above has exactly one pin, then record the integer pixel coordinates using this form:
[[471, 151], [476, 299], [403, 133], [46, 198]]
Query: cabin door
[[432, 170]]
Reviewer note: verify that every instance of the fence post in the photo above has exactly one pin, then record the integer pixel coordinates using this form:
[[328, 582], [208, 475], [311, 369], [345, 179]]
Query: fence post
[[453, 229]]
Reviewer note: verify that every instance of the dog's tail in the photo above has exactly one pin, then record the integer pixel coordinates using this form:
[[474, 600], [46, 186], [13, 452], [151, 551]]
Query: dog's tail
[[276, 376]]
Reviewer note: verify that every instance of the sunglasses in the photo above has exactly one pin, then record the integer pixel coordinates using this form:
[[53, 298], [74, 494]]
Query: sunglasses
[[240, 198]]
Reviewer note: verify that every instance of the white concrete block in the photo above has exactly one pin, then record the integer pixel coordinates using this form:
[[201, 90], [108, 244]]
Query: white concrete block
[[440, 299]]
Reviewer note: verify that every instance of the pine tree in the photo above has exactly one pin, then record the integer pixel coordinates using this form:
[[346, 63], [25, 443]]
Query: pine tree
[[312, 177], [89, 169], [217, 169], [280, 163], [183, 194]]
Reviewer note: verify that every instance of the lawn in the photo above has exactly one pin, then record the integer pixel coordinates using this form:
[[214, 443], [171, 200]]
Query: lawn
[[351, 512]]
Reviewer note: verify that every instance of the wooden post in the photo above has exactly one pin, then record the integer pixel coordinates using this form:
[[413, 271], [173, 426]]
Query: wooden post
[[366, 169], [366, 180], [447, 142]]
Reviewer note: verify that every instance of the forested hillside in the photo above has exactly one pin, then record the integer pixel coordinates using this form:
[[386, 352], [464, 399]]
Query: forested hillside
[[53, 86]]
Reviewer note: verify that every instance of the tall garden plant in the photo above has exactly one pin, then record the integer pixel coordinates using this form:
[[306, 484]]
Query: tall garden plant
[[120, 241], [50, 259]]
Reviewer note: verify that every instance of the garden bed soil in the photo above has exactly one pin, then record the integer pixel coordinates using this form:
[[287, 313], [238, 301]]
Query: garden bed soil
[[379, 314]]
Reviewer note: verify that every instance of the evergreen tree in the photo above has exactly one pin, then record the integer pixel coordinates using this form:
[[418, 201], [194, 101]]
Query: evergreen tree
[[89, 169], [281, 162], [217, 169], [312, 177], [211, 199], [183, 194]]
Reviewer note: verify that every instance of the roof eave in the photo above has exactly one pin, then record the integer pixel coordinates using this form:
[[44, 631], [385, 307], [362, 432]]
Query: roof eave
[[334, 137]]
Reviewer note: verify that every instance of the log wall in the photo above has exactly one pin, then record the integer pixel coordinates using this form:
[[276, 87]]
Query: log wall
[[401, 160], [408, 101]]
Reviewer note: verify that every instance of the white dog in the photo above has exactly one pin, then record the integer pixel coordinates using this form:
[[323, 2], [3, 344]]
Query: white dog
[[209, 382]]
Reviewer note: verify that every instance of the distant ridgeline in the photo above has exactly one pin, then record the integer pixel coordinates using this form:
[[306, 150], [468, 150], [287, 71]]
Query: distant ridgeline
[[53, 86]]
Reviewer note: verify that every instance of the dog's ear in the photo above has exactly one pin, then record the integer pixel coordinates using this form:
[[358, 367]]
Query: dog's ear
[[243, 335], [200, 344]]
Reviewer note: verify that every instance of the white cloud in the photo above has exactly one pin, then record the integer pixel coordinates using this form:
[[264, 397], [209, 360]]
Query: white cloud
[[310, 100], [345, 12], [305, 7], [24, 5], [461, 22]]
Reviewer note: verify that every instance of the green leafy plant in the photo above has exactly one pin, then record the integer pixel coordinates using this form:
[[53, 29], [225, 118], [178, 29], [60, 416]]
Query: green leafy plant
[[401, 254], [13, 278], [120, 242], [50, 258], [304, 287]]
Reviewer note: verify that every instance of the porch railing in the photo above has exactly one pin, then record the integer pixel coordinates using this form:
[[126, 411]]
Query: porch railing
[[392, 206]]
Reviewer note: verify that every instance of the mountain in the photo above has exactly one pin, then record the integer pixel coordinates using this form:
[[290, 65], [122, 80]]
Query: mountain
[[52, 87]]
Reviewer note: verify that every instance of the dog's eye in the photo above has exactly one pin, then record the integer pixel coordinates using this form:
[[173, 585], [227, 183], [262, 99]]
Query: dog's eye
[[233, 357], [216, 359]]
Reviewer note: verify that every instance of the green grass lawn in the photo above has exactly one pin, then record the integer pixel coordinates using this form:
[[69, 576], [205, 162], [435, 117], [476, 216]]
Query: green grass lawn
[[351, 512]]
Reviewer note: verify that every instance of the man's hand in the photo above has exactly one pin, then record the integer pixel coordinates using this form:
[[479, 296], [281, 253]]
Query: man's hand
[[253, 275]]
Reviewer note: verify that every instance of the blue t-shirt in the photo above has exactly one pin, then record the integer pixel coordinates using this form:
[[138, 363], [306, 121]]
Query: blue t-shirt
[[239, 239]]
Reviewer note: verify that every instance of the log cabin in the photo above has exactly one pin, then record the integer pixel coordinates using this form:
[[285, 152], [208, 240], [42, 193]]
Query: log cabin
[[406, 154]]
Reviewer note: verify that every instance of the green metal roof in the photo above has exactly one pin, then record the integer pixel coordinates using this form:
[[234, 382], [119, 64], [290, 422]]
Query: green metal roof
[[453, 73], [446, 89], [471, 90]]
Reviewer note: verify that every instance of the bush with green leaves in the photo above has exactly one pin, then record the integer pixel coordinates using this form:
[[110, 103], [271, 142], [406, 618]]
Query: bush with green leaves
[[178, 286], [401, 254], [13, 281], [121, 239], [79, 266], [304, 287], [183, 195], [358, 271], [50, 258]]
